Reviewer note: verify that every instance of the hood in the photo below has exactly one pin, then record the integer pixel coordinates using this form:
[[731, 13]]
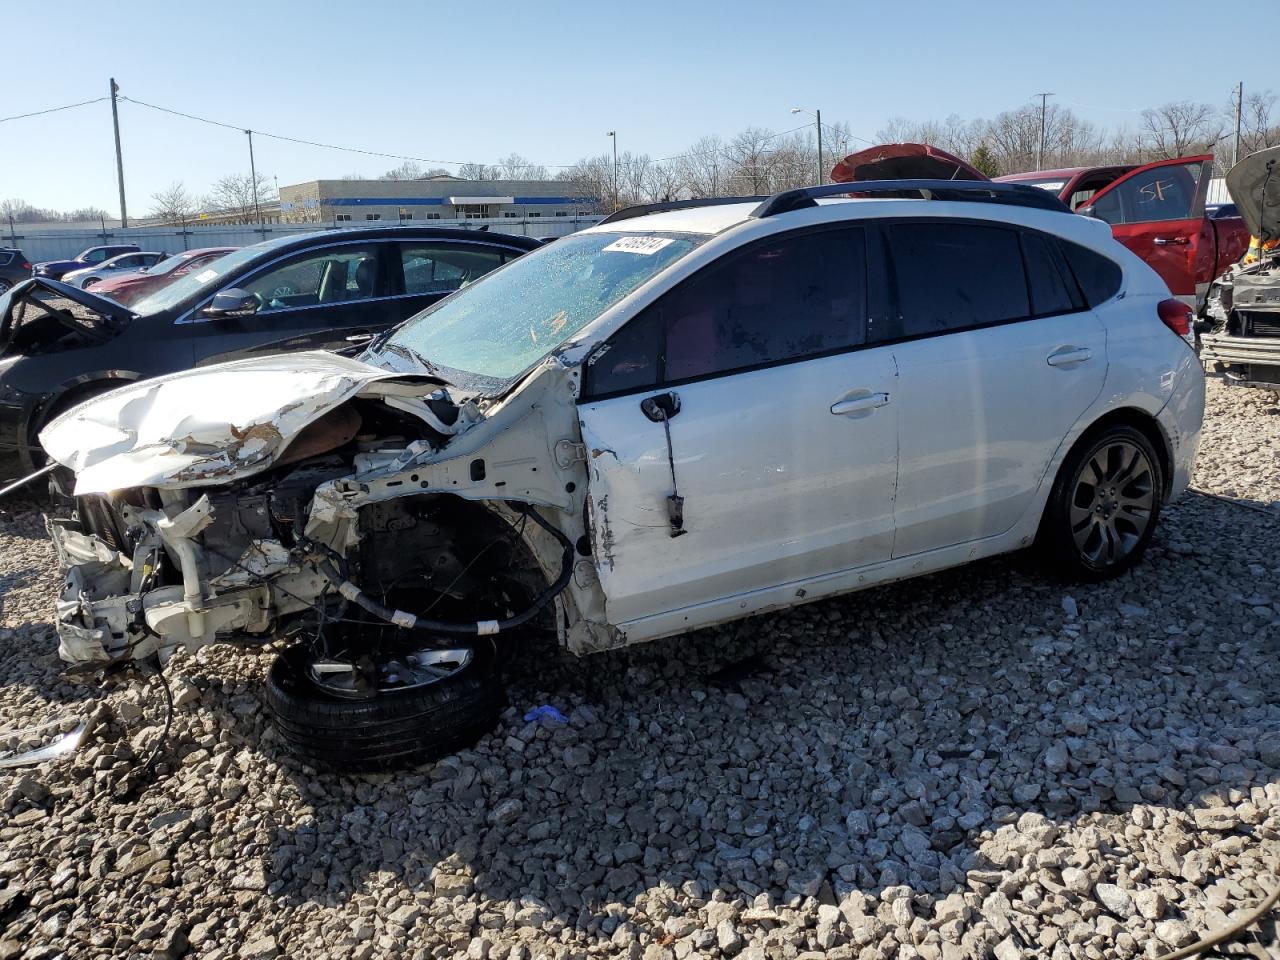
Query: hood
[[1254, 185], [108, 308], [903, 161], [56, 265], [206, 426]]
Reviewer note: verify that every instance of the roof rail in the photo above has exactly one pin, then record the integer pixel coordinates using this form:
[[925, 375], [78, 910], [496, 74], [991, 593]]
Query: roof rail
[[980, 191], [644, 209]]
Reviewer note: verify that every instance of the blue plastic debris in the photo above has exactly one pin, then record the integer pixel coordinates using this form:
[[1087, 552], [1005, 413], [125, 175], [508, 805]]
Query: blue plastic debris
[[546, 712]]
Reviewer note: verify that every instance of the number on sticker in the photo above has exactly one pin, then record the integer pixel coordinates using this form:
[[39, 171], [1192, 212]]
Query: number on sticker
[[641, 245]]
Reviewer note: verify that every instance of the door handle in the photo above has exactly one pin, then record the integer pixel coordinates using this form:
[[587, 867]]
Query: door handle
[[362, 336], [1068, 356], [1166, 241], [843, 408]]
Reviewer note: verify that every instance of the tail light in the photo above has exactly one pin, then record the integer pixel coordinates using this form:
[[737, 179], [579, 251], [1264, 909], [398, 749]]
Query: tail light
[[1177, 316], [26, 266]]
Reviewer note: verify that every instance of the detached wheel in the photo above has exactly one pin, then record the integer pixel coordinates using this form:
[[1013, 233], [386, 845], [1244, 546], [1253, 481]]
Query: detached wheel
[[418, 705], [1103, 507]]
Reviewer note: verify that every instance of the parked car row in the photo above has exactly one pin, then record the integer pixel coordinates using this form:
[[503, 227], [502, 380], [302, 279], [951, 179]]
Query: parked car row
[[321, 291], [689, 413]]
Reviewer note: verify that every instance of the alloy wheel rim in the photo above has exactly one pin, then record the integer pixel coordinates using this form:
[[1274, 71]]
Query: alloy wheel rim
[[1112, 503], [397, 674]]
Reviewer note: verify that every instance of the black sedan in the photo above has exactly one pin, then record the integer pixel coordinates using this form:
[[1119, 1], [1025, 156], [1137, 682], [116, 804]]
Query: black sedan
[[336, 290]]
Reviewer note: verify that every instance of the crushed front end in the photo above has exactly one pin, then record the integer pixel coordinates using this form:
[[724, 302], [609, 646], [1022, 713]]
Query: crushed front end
[[353, 511], [1244, 311]]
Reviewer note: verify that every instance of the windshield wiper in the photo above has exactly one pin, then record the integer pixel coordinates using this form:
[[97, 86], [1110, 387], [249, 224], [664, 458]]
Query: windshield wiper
[[400, 350]]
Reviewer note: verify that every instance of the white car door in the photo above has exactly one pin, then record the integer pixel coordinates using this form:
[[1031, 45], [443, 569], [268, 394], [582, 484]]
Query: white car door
[[998, 362], [783, 449]]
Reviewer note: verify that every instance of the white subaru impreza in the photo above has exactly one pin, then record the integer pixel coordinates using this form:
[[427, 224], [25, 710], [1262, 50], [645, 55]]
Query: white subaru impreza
[[689, 413]]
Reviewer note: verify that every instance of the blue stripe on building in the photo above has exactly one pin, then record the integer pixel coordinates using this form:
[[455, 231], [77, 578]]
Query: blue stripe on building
[[439, 201]]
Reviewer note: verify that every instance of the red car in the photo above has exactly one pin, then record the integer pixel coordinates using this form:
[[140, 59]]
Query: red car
[[127, 290], [1157, 210]]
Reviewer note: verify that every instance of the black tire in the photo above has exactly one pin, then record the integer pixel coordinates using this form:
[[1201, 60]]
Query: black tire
[[4, 286], [84, 284], [1103, 507], [389, 730]]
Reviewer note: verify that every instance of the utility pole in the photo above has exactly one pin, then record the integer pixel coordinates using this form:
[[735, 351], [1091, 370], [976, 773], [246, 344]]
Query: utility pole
[[822, 176], [1044, 99], [115, 122], [253, 175], [613, 135], [13, 236], [1235, 146]]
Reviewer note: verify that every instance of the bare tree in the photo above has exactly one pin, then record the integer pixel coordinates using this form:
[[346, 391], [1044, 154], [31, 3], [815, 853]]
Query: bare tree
[[173, 204], [750, 161], [1258, 126], [410, 170], [479, 171], [22, 212], [515, 167], [664, 181], [234, 194], [1181, 127], [703, 168], [591, 179]]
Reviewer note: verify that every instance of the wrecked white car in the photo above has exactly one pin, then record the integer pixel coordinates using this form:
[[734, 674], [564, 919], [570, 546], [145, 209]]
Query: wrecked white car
[[1244, 304], [689, 413]]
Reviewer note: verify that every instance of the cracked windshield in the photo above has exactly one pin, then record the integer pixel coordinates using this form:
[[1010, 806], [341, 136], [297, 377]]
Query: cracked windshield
[[516, 315]]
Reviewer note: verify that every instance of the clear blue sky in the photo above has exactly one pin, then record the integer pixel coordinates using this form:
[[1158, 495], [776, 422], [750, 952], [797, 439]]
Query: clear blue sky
[[547, 79]]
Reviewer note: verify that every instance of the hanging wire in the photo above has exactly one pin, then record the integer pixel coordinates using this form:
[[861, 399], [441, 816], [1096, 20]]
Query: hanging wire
[[40, 113]]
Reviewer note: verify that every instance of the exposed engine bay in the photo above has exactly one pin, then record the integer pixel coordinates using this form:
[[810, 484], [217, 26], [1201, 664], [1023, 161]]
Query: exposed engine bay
[[371, 513], [1244, 309]]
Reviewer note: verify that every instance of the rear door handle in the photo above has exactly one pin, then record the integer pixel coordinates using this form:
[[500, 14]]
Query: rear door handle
[[844, 408], [1068, 356], [1165, 241]]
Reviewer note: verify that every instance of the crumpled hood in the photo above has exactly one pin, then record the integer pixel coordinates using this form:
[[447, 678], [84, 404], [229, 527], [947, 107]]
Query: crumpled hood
[[1254, 185], [205, 426]]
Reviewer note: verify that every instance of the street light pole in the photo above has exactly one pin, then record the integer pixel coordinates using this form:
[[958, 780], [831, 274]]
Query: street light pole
[[613, 135], [817, 115], [1044, 99], [253, 175]]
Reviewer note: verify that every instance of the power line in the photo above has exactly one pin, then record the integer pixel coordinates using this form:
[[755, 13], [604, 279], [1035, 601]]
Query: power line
[[240, 128], [40, 113]]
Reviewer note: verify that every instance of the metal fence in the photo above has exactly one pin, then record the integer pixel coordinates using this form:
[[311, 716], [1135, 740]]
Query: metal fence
[[41, 242]]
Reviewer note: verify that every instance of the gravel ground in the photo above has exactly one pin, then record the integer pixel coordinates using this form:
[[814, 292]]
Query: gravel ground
[[980, 763]]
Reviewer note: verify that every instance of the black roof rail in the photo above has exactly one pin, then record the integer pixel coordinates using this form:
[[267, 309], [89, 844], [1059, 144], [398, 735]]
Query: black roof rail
[[644, 209], [979, 191]]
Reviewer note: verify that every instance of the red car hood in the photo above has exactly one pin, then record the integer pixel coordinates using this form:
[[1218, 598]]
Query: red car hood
[[903, 161]]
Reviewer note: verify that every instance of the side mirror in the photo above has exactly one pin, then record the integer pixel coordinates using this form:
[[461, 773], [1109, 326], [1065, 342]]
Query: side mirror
[[232, 302], [1087, 212]]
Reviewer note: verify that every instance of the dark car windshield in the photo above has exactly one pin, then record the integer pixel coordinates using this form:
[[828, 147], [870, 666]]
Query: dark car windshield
[[195, 283], [507, 321]]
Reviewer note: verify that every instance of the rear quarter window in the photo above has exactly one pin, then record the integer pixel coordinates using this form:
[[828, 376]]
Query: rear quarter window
[[1099, 277]]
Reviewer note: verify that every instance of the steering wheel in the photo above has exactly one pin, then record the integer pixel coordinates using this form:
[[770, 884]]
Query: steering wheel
[[283, 290]]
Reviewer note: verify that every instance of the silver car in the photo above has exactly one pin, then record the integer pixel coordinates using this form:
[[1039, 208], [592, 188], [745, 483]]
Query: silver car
[[121, 265]]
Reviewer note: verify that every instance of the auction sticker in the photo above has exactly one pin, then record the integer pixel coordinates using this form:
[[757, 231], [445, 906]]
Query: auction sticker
[[642, 245], [206, 276]]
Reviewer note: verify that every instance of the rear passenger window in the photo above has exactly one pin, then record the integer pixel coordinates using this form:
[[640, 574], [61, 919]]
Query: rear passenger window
[[953, 276], [1048, 277], [1098, 276]]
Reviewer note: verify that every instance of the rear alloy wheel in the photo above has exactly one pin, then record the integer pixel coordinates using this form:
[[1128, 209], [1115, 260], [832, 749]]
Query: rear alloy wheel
[[4, 286], [416, 705], [1104, 506]]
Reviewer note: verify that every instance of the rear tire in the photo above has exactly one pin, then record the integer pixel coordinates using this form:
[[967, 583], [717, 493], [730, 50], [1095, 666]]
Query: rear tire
[[1103, 507], [389, 729]]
